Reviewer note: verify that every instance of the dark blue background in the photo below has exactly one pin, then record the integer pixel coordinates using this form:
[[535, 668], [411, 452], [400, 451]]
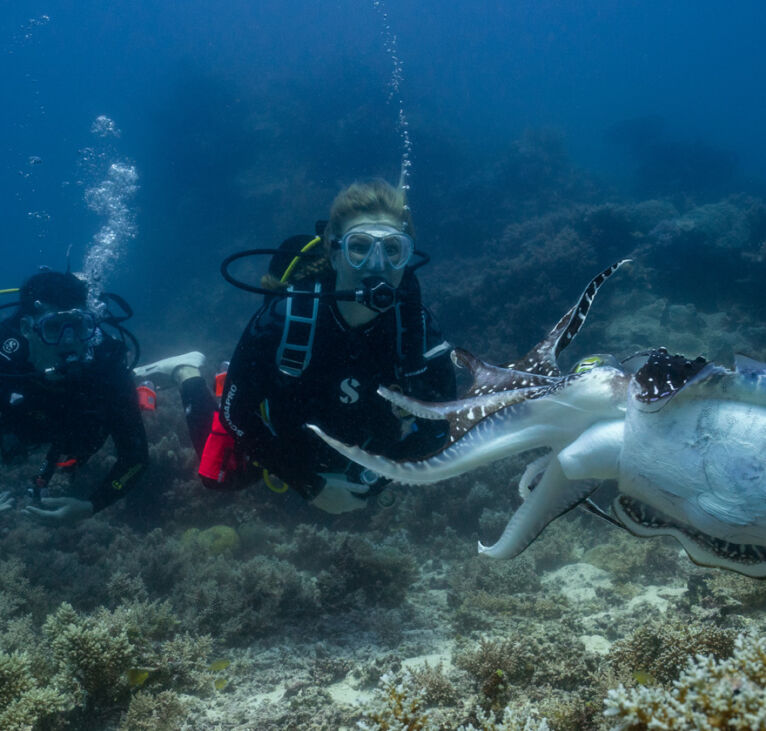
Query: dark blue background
[[243, 118]]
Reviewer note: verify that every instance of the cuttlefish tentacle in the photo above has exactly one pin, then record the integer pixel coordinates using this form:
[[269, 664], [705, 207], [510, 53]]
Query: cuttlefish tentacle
[[532, 474], [444, 409], [553, 496], [515, 429], [515, 408], [462, 415], [551, 421], [593, 455]]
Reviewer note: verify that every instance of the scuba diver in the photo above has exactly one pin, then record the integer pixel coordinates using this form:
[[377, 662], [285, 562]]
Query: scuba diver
[[66, 382], [342, 316]]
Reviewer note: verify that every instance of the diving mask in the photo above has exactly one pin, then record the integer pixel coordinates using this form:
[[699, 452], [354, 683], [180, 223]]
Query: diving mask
[[66, 326], [385, 244]]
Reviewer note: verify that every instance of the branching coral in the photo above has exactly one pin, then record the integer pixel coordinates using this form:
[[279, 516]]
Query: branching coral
[[556, 659], [628, 558], [161, 712], [92, 654], [731, 591], [498, 578], [660, 649], [22, 701], [382, 575], [16, 593], [437, 687], [710, 694], [183, 663], [92, 664], [511, 720], [401, 705]]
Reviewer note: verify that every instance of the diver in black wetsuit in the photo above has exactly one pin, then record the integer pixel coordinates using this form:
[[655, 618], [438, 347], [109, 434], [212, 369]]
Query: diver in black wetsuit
[[320, 360], [66, 383]]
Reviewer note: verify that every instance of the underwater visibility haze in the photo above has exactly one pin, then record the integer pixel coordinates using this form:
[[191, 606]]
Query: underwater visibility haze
[[541, 142]]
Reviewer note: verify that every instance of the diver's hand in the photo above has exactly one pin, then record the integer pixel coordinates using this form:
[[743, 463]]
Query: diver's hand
[[339, 495], [60, 510], [6, 501]]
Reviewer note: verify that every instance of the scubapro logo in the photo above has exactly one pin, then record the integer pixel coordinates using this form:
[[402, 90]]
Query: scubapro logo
[[11, 345], [349, 393]]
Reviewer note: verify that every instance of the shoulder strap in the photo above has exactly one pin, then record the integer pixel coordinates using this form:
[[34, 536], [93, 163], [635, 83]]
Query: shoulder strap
[[294, 351], [288, 267], [410, 328]]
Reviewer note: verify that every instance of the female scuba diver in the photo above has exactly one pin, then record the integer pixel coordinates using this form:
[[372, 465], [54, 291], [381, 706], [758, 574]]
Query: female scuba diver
[[332, 329]]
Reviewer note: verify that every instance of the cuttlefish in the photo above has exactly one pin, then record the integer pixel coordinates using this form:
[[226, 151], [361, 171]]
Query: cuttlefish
[[685, 440]]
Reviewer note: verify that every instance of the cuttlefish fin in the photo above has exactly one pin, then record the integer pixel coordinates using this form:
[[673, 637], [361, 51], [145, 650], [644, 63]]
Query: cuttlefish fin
[[497, 387], [553, 496], [745, 364], [543, 358], [705, 550]]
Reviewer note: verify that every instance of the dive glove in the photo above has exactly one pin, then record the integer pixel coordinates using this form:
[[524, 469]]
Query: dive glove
[[6, 501], [340, 495], [60, 510]]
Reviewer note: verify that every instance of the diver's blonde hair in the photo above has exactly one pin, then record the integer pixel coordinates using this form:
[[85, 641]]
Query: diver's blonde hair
[[373, 196]]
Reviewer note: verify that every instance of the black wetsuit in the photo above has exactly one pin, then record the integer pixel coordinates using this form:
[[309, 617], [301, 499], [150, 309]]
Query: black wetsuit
[[266, 410], [74, 415]]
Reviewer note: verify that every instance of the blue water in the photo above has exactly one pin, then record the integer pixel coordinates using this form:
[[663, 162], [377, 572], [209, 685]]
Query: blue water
[[243, 119]]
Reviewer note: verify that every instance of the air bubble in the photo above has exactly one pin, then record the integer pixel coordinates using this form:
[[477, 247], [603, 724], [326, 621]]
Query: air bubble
[[394, 93], [108, 198], [104, 127]]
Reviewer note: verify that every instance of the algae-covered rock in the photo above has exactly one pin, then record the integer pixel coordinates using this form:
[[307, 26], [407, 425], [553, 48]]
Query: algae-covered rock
[[215, 541]]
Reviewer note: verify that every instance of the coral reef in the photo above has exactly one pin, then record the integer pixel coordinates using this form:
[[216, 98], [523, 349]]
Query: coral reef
[[90, 665], [401, 705], [628, 558], [657, 650], [23, 702], [90, 655], [162, 711], [541, 255], [709, 693]]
